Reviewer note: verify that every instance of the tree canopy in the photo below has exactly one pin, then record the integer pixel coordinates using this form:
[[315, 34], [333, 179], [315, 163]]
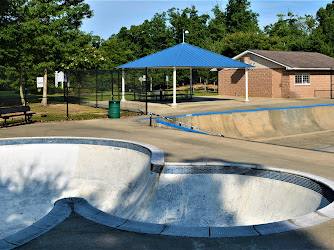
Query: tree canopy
[[293, 31], [46, 33], [323, 35], [238, 17], [38, 34]]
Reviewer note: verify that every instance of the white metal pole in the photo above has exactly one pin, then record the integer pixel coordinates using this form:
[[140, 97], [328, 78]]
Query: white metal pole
[[123, 85], [174, 87], [191, 81], [246, 76]]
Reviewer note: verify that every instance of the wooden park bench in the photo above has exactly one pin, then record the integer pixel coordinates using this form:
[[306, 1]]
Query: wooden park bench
[[6, 113]]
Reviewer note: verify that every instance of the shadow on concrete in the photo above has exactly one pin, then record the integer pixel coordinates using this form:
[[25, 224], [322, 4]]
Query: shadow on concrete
[[26, 196], [204, 99], [194, 99]]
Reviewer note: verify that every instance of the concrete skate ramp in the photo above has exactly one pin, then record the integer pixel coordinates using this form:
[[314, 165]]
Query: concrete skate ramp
[[127, 185], [263, 123], [324, 116]]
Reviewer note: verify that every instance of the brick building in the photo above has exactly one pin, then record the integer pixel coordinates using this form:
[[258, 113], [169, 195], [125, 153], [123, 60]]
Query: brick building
[[280, 74]]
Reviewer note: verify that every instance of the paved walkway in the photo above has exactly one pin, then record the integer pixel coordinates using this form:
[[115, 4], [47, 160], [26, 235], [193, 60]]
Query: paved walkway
[[78, 233]]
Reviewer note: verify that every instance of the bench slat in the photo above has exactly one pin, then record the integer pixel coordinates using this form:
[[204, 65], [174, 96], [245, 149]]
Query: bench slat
[[14, 109]]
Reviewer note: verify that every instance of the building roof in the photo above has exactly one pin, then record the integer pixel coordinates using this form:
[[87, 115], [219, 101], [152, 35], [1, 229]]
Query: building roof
[[295, 59], [185, 56]]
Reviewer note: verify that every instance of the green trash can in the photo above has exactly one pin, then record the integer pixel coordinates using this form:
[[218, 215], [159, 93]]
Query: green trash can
[[114, 109]]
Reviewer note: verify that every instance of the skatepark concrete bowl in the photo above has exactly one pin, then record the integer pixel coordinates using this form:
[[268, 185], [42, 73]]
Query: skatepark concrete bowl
[[128, 186]]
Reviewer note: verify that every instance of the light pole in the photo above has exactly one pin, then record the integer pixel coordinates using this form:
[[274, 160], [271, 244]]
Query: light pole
[[184, 32]]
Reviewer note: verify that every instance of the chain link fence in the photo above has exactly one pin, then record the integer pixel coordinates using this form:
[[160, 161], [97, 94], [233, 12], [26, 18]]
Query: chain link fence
[[96, 86], [66, 89]]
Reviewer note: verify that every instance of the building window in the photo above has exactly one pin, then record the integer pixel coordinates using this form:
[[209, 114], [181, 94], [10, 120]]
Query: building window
[[302, 79]]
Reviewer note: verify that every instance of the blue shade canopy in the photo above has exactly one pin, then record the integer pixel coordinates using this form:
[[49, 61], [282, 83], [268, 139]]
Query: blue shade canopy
[[185, 56]]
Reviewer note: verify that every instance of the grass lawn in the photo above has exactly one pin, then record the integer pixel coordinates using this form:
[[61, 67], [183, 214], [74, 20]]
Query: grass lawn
[[199, 89], [9, 98], [204, 93], [105, 96], [57, 112], [54, 112], [14, 98]]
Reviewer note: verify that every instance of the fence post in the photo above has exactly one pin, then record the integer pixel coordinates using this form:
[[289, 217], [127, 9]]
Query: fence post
[[64, 88], [96, 73], [102, 88], [67, 116], [134, 87], [134, 83], [146, 81], [67, 83], [25, 86], [112, 85], [79, 87], [118, 80], [150, 119]]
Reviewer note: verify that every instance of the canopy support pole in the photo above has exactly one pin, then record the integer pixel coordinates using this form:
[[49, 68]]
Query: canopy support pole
[[174, 105], [246, 76], [123, 85], [191, 81]]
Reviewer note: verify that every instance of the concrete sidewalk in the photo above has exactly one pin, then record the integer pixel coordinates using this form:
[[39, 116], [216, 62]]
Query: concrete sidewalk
[[78, 233]]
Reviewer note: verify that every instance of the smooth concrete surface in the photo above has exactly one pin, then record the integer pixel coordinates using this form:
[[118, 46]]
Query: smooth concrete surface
[[77, 232], [263, 123], [34, 176], [124, 193], [218, 200]]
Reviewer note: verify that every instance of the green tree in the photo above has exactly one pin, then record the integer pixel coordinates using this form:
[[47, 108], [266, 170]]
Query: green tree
[[149, 37], [89, 56], [239, 17], [46, 33], [199, 35], [234, 44], [115, 52], [11, 18], [217, 26], [322, 38], [188, 19], [293, 30]]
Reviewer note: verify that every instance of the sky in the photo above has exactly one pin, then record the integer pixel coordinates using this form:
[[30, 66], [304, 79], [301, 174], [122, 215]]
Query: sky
[[111, 15]]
